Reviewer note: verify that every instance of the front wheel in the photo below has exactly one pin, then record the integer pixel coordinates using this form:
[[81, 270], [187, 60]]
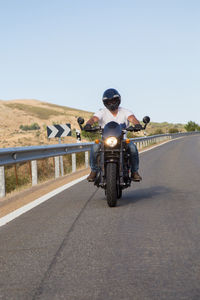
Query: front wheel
[[111, 184]]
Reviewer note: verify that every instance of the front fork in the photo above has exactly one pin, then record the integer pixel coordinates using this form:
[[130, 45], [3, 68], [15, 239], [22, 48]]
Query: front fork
[[100, 178], [123, 179]]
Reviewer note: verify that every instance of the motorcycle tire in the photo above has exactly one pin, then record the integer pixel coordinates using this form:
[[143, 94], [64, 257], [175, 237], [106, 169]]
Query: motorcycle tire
[[111, 184]]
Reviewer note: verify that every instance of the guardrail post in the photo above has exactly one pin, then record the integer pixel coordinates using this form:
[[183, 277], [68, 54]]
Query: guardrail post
[[61, 166], [73, 162], [34, 172], [86, 159], [2, 182], [57, 168]]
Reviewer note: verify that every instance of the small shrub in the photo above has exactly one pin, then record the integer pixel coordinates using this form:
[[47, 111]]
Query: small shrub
[[45, 167], [192, 126], [91, 136], [37, 134], [130, 135], [80, 159], [67, 163], [158, 131], [23, 177], [33, 126], [173, 130]]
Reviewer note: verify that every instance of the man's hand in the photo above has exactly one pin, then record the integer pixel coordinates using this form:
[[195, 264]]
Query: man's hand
[[87, 127], [138, 127]]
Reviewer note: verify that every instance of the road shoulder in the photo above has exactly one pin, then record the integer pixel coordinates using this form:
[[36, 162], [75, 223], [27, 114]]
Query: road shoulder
[[13, 202]]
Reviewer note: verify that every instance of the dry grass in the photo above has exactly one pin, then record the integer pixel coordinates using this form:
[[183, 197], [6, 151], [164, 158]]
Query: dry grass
[[38, 112], [26, 112], [14, 113], [18, 177]]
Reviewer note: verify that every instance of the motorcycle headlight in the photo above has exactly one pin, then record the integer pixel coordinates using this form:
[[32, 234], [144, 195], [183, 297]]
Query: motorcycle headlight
[[111, 141]]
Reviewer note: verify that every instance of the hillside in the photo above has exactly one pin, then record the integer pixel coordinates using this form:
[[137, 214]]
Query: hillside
[[15, 113]]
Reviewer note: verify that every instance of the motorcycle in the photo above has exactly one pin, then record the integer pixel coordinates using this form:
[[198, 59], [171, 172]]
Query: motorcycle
[[113, 158]]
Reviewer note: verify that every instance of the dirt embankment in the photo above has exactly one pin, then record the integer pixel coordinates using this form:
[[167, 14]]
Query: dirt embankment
[[16, 113]]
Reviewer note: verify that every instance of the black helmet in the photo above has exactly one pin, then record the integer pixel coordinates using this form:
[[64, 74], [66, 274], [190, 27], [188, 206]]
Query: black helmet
[[111, 99]]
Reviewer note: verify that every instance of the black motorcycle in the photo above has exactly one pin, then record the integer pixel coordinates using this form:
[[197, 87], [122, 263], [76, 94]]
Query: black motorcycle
[[113, 159]]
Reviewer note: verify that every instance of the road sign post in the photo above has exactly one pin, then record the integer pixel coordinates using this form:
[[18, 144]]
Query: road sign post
[[54, 131], [78, 136]]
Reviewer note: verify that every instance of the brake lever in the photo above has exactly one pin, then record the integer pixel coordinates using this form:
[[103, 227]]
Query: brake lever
[[81, 127], [130, 128], [93, 129]]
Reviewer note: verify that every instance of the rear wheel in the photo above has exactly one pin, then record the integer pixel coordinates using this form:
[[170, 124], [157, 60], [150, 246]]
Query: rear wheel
[[111, 184]]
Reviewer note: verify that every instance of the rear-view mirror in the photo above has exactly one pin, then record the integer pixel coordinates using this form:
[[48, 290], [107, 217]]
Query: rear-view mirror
[[80, 120], [146, 119]]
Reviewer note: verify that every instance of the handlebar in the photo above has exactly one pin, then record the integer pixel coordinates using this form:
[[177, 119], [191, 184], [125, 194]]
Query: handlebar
[[93, 129], [131, 128], [146, 120], [98, 128]]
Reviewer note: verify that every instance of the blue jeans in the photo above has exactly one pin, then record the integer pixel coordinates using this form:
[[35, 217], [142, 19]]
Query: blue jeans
[[133, 155]]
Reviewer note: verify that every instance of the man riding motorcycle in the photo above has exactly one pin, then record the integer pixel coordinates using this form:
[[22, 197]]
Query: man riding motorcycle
[[113, 112]]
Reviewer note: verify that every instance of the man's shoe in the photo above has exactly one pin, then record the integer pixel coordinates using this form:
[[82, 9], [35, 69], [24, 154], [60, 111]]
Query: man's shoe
[[135, 176], [92, 176]]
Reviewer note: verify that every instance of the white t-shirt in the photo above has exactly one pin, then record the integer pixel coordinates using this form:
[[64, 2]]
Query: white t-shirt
[[105, 116]]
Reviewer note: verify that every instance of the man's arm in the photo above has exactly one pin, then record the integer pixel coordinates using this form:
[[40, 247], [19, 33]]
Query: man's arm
[[133, 119], [93, 120]]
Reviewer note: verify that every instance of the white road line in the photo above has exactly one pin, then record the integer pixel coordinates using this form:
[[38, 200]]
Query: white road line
[[160, 144], [18, 212], [11, 216]]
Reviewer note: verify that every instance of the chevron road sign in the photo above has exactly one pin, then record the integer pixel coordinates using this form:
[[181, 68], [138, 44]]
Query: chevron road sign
[[58, 130]]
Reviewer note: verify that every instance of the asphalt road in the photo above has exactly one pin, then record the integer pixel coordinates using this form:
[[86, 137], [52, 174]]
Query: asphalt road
[[75, 247]]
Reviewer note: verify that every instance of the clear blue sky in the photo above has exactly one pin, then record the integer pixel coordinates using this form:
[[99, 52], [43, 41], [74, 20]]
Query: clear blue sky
[[68, 52]]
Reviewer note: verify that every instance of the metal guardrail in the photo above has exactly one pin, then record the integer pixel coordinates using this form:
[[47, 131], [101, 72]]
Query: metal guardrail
[[9, 156]]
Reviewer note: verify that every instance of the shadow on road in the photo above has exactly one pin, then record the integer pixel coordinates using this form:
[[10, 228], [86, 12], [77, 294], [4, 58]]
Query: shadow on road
[[143, 194]]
